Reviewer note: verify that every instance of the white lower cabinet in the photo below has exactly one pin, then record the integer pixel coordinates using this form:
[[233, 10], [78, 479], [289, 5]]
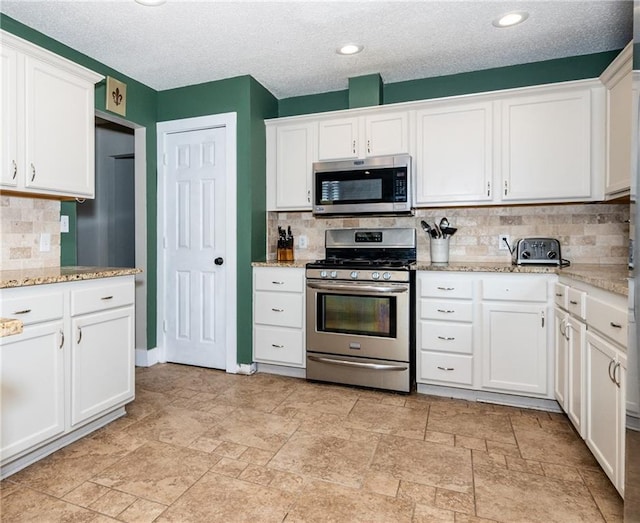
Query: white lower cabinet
[[606, 373], [279, 316], [72, 365]]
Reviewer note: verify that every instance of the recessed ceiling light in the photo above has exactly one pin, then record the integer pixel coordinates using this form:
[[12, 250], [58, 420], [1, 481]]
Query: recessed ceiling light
[[151, 3], [509, 19], [350, 49]]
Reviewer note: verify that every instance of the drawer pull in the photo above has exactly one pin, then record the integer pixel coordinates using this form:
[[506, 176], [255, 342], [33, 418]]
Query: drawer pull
[[79, 335], [615, 325], [446, 311], [33, 172], [61, 339], [277, 310], [24, 311], [277, 346], [446, 288], [559, 294], [278, 282], [572, 302], [107, 298], [15, 169], [446, 368], [445, 338]]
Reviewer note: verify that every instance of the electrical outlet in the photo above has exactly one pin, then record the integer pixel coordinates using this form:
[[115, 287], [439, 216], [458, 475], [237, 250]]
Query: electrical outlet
[[303, 242], [45, 242], [64, 223], [504, 242]]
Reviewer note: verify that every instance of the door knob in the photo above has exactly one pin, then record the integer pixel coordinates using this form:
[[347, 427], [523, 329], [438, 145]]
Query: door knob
[[218, 261]]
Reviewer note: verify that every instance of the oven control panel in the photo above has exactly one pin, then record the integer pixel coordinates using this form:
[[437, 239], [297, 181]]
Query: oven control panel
[[359, 274]]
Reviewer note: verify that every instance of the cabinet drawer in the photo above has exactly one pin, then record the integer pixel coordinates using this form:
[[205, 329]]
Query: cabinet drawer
[[609, 320], [576, 302], [279, 346], [281, 309], [33, 308], [447, 368], [278, 280], [101, 297], [561, 295], [446, 310], [446, 337], [514, 289], [432, 288]]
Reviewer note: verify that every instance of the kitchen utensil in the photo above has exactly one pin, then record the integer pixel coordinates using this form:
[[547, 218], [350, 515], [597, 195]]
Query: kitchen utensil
[[438, 231], [449, 231], [444, 223], [427, 228]]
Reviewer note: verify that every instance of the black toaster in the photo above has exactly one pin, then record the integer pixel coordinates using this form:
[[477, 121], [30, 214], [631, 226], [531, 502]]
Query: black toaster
[[537, 251]]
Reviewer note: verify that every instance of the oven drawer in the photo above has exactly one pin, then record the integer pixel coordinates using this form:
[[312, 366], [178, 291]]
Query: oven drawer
[[446, 368], [446, 310], [275, 308], [446, 337], [437, 288], [278, 346], [278, 279]]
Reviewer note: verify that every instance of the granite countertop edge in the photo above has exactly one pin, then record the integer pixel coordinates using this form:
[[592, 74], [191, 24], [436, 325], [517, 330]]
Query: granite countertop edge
[[613, 278], [10, 326], [29, 277]]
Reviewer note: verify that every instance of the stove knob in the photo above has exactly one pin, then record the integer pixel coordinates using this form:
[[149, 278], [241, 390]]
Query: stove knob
[[334, 274], [323, 274], [354, 275], [375, 275], [525, 255], [552, 255], [386, 276]]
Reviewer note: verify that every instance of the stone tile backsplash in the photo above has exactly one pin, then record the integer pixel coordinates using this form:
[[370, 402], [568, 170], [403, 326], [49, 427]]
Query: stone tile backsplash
[[22, 221], [588, 233]]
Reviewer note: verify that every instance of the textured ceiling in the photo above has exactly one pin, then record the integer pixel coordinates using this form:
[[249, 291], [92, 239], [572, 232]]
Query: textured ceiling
[[289, 46]]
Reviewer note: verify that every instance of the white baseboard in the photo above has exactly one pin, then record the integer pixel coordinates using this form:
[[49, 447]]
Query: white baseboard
[[292, 372], [147, 358], [244, 368]]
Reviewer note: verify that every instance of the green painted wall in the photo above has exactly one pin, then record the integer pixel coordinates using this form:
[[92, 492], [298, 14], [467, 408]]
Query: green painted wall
[[141, 109], [252, 103], [365, 91], [68, 251], [549, 71]]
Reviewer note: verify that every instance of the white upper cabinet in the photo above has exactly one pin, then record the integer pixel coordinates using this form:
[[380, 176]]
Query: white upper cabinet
[[454, 160], [290, 156], [376, 134], [546, 146], [618, 83], [50, 103]]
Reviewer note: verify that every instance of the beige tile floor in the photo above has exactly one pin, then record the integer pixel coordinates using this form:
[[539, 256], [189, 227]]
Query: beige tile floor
[[204, 446]]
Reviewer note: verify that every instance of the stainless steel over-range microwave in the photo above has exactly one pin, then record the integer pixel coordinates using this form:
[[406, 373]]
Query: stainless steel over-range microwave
[[379, 185]]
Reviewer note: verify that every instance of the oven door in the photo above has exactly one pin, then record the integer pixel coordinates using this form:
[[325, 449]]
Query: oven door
[[359, 319]]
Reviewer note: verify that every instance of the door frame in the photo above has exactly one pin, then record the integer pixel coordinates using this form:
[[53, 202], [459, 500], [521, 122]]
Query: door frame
[[228, 121]]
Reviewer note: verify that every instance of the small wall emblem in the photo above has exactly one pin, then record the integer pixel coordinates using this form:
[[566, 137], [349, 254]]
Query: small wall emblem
[[116, 96]]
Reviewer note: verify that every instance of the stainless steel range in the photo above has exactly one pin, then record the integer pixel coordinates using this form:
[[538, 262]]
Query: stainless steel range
[[360, 309]]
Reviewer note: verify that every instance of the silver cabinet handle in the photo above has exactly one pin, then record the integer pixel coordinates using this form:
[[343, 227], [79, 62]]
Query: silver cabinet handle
[[506, 188], [559, 294], [278, 282], [33, 172], [615, 325], [15, 169], [446, 368], [61, 339], [572, 302], [107, 298], [23, 311], [309, 196], [445, 338], [446, 311], [610, 372], [79, 335], [616, 380], [488, 188], [277, 346], [369, 146], [562, 327], [354, 147], [277, 310], [445, 288]]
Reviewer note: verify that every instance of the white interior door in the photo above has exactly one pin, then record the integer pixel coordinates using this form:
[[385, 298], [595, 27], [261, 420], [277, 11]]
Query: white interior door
[[195, 247]]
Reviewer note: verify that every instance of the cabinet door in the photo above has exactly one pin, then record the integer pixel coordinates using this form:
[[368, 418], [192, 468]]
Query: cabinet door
[[102, 362], [338, 139], [546, 147], [386, 134], [454, 160], [32, 382], [561, 358], [8, 139], [604, 420], [59, 131], [294, 166], [515, 348], [575, 405]]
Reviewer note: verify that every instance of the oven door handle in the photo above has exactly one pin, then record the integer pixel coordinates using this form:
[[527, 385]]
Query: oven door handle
[[358, 287], [357, 364]]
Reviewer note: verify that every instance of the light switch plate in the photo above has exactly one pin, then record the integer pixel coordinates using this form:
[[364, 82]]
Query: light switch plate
[[64, 223], [45, 242]]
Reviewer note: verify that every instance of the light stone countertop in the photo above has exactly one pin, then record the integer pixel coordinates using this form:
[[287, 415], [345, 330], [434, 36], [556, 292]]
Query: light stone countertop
[[26, 277], [612, 278], [10, 326]]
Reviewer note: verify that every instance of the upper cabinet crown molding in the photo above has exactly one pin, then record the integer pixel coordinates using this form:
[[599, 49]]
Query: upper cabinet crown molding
[[47, 144]]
